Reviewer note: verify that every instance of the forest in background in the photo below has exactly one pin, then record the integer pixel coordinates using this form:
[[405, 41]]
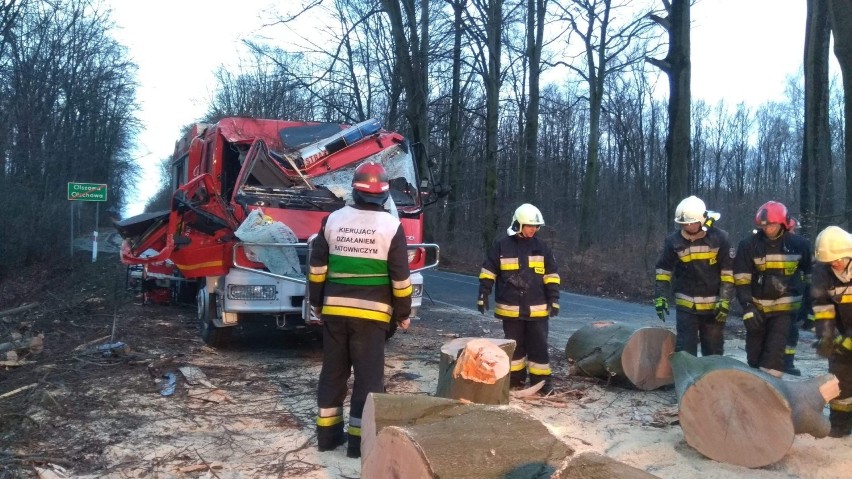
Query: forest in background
[[559, 103]]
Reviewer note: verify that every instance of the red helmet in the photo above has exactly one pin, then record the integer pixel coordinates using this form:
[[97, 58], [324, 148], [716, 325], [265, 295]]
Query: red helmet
[[370, 177], [774, 212]]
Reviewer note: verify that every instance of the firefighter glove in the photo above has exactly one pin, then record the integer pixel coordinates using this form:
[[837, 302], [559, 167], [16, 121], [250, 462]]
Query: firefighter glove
[[753, 319], [554, 310], [825, 332], [482, 303], [662, 306], [843, 346], [721, 309]]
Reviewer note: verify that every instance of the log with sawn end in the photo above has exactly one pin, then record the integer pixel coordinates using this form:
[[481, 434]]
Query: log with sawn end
[[739, 415], [625, 355]]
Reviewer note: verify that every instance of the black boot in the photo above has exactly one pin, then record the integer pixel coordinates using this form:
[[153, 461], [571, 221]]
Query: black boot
[[789, 368], [518, 379], [841, 423], [547, 388], [354, 448], [329, 437]]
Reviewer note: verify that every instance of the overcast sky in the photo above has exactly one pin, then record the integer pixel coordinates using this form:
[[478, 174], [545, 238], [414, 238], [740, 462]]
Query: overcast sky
[[742, 50]]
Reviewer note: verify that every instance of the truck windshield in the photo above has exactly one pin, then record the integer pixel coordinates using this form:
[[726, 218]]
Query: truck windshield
[[265, 183]]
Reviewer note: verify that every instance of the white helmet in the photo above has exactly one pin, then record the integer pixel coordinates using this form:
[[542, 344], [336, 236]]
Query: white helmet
[[526, 214], [690, 210], [833, 243]]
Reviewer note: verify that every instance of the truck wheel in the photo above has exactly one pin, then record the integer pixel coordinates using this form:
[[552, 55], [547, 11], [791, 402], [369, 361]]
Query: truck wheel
[[206, 312]]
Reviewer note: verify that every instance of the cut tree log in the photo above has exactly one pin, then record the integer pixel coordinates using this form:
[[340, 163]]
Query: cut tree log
[[476, 370], [425, 437], [624, 355], [739, 415], [590, 465]]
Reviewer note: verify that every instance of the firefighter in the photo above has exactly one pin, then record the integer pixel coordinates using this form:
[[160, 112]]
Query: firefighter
[[772, 272], [526, 295], [831, 294], [358, 284], [700, 259]]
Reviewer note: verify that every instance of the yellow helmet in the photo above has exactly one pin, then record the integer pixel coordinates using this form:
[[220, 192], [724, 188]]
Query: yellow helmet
[[833, 243], [526, 214], [690, 210]]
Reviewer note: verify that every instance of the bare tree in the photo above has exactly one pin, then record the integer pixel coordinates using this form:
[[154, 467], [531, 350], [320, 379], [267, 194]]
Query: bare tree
[[814, 202], [608, 49], [840, 12], [676, 66]]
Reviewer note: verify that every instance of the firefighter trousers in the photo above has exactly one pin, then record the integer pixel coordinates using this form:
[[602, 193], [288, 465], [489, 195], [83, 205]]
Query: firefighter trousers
[[350, 344], [530, 336], [840, 409], [765, 347], [692, 328]]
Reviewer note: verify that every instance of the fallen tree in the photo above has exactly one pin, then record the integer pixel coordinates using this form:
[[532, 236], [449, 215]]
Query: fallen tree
[[408, 436], [739, 415], [612, 351]]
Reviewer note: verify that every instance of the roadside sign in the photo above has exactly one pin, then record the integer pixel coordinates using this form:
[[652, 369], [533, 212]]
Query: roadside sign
[[87, 191]]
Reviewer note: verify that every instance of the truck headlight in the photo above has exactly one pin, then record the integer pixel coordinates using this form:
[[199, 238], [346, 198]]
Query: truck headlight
[[416, 290], [250, 292]]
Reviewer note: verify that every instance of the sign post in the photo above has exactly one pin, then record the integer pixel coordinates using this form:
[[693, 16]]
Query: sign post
[[88, 192]]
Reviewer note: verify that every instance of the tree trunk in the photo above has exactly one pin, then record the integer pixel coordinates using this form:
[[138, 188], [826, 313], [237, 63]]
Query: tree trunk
[[493, 81], [678, 143], [431, 440], [467, 372], [638, 357], [739, 415], [815, 190], [840, 12]]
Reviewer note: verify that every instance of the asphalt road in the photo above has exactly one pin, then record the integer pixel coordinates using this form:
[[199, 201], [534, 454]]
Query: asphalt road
[[576, 311]]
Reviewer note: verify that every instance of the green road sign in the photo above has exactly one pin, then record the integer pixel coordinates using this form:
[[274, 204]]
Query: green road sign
[[87, 191]]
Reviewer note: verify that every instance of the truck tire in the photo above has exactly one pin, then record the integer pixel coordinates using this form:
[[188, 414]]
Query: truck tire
[[206, 312]]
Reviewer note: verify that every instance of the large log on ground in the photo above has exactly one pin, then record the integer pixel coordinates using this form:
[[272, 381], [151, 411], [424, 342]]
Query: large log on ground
[[382, 410], [625, 355], [590, 465], [476, 370], [740, 415], [451, 439]]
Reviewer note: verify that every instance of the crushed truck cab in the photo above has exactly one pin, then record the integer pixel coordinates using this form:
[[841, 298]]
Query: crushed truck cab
[[248, 196]]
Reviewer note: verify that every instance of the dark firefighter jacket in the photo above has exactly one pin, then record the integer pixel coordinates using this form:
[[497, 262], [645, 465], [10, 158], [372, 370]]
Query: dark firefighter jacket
[[359, 266], [701, 269], [832, 298], [774, 275], [526, 275]]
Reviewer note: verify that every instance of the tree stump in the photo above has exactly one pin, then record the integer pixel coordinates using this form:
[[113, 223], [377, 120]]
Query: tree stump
[[424, 437], [476, 370], [739, 415], [638, 357], [590, 465]]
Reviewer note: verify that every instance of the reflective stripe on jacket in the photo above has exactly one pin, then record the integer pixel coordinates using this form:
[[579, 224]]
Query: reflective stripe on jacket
[[359, 266], [701, 270], [832, 298], [774, 275], [526, 277]]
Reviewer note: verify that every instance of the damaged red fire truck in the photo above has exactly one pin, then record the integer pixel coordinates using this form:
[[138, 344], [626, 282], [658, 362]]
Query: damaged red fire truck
[[249, 194]]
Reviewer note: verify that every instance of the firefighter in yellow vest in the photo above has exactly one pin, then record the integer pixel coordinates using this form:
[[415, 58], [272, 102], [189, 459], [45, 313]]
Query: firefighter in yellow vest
[[831, 298], [526, 276], [359, 284]]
